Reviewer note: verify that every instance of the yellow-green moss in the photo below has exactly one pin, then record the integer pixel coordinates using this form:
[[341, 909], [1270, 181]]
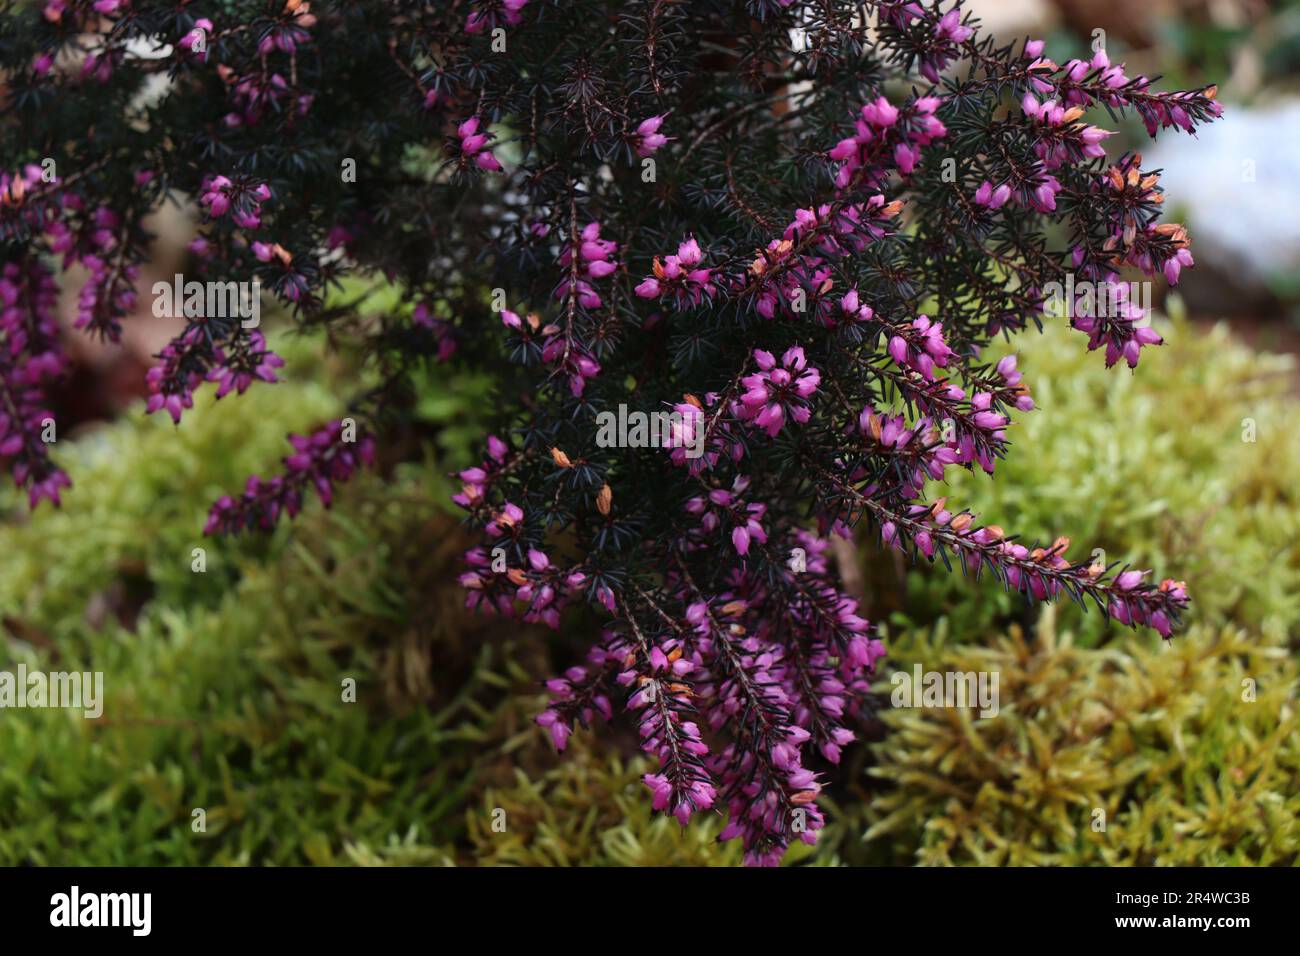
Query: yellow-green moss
[[1161, 738]]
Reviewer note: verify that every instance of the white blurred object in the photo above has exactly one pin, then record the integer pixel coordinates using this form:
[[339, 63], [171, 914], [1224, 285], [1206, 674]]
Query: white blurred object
[[1012, 19], [1239, 182]]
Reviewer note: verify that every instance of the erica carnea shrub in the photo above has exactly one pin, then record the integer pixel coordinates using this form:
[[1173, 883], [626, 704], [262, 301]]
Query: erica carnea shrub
[[731, 266]]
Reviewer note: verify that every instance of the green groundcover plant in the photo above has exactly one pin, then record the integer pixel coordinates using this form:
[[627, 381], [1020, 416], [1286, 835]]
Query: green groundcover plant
[[1172, 755], [225, 736]]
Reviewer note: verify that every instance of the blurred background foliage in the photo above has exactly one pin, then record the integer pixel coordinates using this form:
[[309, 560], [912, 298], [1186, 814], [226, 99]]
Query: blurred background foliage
[[225, 689]]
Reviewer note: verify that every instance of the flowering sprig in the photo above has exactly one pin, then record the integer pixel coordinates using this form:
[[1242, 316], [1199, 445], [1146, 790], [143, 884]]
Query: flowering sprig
[[474, 146], [647, 139], [725, 509], [290, 30], [241, 199], [920, 346], [31, 360], [319, 461], [886, 136], [589, 259], [679, 277], [1041, 574], [210, 352], [791, 652]]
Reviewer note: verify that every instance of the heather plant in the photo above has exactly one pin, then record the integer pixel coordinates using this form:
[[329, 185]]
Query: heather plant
[[793, 226]]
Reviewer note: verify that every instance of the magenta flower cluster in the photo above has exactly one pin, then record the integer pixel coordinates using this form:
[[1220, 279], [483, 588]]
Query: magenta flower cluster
[[242, 201], [31, 360], [474, 146], [777, 391], [679, 276], [194, 357], [319, 461]]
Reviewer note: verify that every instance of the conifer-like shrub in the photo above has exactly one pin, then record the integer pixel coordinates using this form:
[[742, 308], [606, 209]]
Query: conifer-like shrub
[[730, 267]]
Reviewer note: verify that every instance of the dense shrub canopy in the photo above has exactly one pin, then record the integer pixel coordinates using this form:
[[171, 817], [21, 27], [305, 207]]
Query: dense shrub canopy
[[789, 227]]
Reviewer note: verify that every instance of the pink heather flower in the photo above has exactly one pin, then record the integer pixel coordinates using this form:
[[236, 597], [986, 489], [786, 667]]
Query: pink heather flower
[[880, 113], [950, 27], [31, 361], [577, 365], [242, 200], [648, 139], [320, 460], [992, 197], [595, 261], [905, 158], [776, 391], [920, 346], [724, 507], [886, 134], [1117, 327], [215, 197], [192, 358], [558, 729], [677, 276], [1128, 580], [1044, 195], [1173, 267], [108, 293], [949, 33], [1007, 371], [238, 364], [1053, 149], [288, 36], [473, 146], [852, 309]]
